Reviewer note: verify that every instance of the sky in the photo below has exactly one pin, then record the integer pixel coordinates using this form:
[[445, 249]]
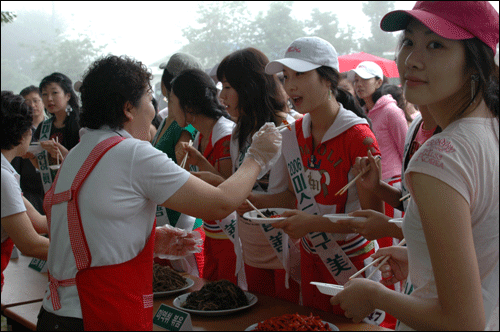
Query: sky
[[149, 31]]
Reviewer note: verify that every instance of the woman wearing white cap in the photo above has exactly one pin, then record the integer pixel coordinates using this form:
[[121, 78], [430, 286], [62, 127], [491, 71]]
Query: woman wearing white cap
[[389, 126], [319, 153], [446, 62]]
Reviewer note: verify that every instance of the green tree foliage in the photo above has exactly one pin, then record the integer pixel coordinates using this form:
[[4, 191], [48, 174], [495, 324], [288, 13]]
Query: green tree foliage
[[34, 46], [8, 17], [224, 28], [326, 25], [275, 30], [380, 41], [68, 56]]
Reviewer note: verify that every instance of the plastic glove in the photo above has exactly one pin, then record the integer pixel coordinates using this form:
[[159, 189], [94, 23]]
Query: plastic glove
[[265, 148], [174, 243]]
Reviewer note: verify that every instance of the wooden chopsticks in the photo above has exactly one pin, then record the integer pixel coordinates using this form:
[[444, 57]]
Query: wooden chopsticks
[[183, 163], [384, 259], [343, 189], [257, 210], [404, 198]]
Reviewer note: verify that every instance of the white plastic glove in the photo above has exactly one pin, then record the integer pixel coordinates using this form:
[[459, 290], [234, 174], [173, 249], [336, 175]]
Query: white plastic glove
[[265, 148], [174, 243]]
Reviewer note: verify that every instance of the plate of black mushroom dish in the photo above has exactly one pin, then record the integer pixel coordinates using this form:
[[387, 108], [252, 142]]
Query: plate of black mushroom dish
[[215, 298], [272, 215], [167, 281]]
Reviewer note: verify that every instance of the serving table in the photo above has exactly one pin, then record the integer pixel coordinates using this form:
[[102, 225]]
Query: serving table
[[24, 290], [22, 283], [265, 308]]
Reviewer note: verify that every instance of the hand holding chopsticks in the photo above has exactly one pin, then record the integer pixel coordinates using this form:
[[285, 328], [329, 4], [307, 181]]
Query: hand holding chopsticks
[[58, 151], [347, 186], [384, 259], [183, 163]]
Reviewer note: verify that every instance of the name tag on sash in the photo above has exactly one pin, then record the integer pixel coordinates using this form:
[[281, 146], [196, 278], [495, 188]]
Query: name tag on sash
[[325, 244], [172, 319], [43, 157], [289, 255], [229, 226]]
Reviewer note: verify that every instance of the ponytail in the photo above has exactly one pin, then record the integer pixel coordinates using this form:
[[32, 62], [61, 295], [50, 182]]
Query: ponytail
[[342, 96]]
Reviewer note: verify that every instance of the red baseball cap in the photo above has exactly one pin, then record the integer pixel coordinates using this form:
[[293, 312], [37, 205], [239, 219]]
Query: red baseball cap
[[456, 20]]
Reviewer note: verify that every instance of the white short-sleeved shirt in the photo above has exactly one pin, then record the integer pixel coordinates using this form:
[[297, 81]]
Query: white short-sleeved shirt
[[12, 199], [466, 157], [117, 205]]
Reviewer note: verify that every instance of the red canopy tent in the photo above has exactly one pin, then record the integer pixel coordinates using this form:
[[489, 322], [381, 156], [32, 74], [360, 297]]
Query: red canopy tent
[[351, 61]]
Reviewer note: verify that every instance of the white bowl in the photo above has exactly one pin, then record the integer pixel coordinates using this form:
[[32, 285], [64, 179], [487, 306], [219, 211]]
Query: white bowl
[[328, 289], [339, 216]]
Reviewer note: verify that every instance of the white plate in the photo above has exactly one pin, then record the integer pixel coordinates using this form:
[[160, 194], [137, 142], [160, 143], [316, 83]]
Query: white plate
[[339, 216], [252, 299], [256, 218], [35, 148], [328, 289], [189, 283], [397, 221], [332, 327], [55, 167]]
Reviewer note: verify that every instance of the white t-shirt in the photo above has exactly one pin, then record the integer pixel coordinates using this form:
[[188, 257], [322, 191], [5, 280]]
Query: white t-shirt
[[12, 199], [117, 204], [465, 156]]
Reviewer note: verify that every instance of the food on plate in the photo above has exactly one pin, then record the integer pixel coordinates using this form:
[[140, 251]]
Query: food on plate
[[216, 295], [293, 322], [269, 214], [166, 279]]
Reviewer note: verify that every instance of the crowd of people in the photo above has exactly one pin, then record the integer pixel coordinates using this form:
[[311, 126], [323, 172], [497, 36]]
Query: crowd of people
[[123, 186]]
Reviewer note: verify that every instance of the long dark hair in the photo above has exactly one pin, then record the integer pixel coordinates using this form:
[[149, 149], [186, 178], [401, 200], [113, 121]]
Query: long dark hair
[[480, 58], [197, 93], [342, 96], [259, 96], [66, 85]]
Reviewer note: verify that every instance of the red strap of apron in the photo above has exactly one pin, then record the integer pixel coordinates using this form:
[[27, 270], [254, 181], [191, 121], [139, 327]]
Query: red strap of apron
[[77, 237], [54, 285]]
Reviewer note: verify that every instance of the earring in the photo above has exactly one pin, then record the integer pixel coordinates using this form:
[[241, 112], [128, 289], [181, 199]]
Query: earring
[[475, 78], [68, 109]]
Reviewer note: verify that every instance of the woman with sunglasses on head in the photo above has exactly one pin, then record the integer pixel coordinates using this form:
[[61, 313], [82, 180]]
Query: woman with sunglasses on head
[[446, 62]]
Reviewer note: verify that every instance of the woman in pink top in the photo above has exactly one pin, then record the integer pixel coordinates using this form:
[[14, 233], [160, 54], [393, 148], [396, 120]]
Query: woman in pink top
[[388, 124]]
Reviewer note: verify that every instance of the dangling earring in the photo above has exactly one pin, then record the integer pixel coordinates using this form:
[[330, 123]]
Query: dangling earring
[[329, 94], [68, 109], [475, 78]]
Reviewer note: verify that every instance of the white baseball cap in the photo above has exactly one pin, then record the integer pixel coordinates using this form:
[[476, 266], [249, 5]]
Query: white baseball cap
[[368, 69], [305, 54]]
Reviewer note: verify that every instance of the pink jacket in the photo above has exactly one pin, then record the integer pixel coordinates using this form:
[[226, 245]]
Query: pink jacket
[[389, 126]]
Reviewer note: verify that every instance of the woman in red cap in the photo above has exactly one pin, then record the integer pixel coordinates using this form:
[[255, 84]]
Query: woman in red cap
[[446, 62]]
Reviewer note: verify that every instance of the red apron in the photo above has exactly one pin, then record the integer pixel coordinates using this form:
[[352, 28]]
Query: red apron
[[112, 297], [7, 247]]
